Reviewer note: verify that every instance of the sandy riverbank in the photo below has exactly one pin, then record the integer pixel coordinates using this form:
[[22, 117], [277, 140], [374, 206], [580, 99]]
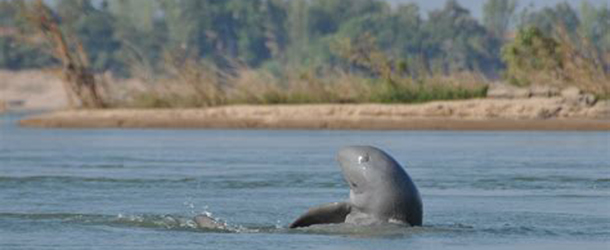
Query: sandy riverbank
[[505, 109], [31, 90], [477, 114]]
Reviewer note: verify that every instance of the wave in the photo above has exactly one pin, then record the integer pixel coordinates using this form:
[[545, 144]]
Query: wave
[[383, 230], [560, 179], [221, 182], [152, 221], [72, 179], [184, 223], [520, 183], [389, 230]]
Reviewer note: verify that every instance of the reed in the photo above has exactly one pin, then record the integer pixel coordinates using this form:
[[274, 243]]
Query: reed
[[248, 86], [380, 80]]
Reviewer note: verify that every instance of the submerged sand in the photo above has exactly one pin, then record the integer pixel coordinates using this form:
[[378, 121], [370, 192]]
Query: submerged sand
[[476, 114]]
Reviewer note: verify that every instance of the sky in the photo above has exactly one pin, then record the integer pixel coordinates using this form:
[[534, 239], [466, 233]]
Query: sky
[[476, 6]]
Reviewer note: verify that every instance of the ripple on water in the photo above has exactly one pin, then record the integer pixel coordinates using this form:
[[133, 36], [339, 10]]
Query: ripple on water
[[80, 179], [186, 223]]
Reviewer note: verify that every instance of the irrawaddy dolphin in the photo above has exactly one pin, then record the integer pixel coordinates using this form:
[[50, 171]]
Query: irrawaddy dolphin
[[380, 191]]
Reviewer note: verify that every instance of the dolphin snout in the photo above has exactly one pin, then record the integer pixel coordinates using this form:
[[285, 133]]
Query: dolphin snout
[[354, 154], [343, 154]]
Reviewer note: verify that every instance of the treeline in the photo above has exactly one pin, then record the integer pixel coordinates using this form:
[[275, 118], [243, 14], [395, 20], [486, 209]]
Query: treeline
[[280, 37], [277, 33]]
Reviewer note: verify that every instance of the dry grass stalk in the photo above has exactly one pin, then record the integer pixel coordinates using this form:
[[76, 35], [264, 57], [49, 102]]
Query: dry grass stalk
[[583, 65], [202, 79]]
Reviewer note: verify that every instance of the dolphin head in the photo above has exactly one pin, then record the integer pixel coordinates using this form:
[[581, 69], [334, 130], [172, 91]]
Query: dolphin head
[[378, 184], [367, 170]]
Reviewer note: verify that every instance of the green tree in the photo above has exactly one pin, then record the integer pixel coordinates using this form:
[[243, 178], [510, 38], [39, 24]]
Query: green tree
[[139, 14], [15, 52], [532, 53], [95, 29], [298, 36], [189, 24], [397, 32], [548, 18], [221, 30], [595, 25], [455, 41], [141, 33], [275, 27], [498, 15], [327, 16]]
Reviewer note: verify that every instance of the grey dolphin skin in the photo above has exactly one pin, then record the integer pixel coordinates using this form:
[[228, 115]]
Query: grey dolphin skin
[[380, 191], [204, 221]]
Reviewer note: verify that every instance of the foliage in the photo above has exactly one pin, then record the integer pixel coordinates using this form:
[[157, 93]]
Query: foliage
[[390, 51], [129, 36], [535, 58], [595, 25], [119, 34], [14, 52], [457, 42], [531, 52], [498, 15], [79, 83], [549, 17]]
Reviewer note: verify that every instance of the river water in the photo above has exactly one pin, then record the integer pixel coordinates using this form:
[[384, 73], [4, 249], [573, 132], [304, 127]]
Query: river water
[[139, 189]]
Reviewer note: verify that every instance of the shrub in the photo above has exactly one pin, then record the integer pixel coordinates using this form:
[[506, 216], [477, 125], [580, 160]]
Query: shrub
[[560, 60]]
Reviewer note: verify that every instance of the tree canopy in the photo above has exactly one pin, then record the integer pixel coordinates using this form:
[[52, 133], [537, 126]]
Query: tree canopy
[[272, 34]]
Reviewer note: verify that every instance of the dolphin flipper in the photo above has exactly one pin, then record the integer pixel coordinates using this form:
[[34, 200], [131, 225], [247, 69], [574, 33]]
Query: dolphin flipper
[[325, 214]]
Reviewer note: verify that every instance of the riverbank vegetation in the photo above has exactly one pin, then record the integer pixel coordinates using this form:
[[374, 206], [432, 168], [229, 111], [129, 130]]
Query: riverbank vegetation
[[206, 53]]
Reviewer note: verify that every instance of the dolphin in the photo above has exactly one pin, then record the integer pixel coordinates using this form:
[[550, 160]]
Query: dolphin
[[380, 192]]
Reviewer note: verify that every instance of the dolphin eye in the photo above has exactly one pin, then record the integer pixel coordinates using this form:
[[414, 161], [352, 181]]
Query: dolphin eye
[[363, 159]]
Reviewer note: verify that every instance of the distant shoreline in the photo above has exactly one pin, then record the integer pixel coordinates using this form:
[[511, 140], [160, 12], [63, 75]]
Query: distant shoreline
[[479, 114]]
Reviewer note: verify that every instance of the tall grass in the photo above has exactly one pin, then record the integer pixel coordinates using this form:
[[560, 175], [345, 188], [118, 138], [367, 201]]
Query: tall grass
[[406, 90], [192, 83], [248, 86]]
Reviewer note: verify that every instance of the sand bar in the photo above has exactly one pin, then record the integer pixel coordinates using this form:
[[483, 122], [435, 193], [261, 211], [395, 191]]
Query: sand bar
[[478, 114]]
